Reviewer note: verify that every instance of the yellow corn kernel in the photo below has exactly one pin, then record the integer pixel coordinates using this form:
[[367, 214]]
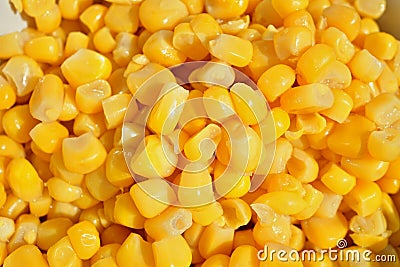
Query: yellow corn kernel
[[156, 159], [365, 167], [62, 209], [114, 109], [235, 187], [303, 166], [12, 44], [275, 81], [284, 8], [344, 18], [337, 179], [58, 168], [234, 26], [122, 18], [250, 34], [171, 222], [165, 115], [374, 224], [135, 251], [264, 57], [98, 185], [383, 109], [152, 196], [107, 251], [205, 27], [23, 179], [159, 49], [48, 136], [50, 231], [10, 148], [117, 172], [50, 20], [387, 81], [62, 254], [3, 194], [365, 198], [364, 58], [390, 212], [281, 122], [313, 61], [283, 202], [60, 190], [231, 49], [243, 237], [313, 198], [70, 9], [74, 42], [85, 66], [26, 229], [314, 97], [336, 39], [237, 212], [92, 215], [93, 123], [47, 99], [126, 213], [389, 185], [330, 202], [350, 138], [310, 123], [282, 182], [195, 188], [90, 95], [292, 41], [207, 214], [314, 230], [270, 226], [341, 108], [215, 240], [36, 8], [19, 257], [282, 154], [115, 234], [17, 122], [382, 45], [13, 207], [221, 105], [93, 17], [164, 249], [244, 255], [7, 227], [23, 72], [8, 94], [126, 47], [227, 9], [297, 239], [372, 9], [83, 154], [382, 144], [185, 40], [69, 110], [43, 49], [249, 104], [103, 41], [220, 260], [84, 239], [196, 150]]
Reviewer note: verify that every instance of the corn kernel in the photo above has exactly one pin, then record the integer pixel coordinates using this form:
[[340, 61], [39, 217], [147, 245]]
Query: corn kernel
[[24, 72], [50, 20], [43, 49], [19, 257], [62, 254], [293, 202], [117, 172], [364, 58], [70, 9], [36, 8], [50, 231], [275, 81], [372, 9], [337, 180], [227, 9], [164, 255], [12, 44], [303, 166], [292, 41], [285, 8], [85, 66], [93, 123], [49, 136], [17, 122], [7, 227], [103, 41], [185, 40], [344, 18], [216, 240], [237, 212], [126, 213], [383, 109], [195, 147], [93, 17], [365, 167], [244, 255], [74, 42], [126, 47], [62, 209], [314, 230], [336, 39], [83, 154], [365, 198], [84, 239], [207, 214], [58, 168], [313, 198], [205, 27], [135, 251], [231, 49]]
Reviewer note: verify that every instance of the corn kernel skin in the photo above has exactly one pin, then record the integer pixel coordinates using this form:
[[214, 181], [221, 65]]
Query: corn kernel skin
[[85, 66]]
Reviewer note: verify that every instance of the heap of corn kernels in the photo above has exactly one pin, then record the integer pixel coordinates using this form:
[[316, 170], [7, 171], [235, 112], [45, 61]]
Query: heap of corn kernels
[[329, 75]]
